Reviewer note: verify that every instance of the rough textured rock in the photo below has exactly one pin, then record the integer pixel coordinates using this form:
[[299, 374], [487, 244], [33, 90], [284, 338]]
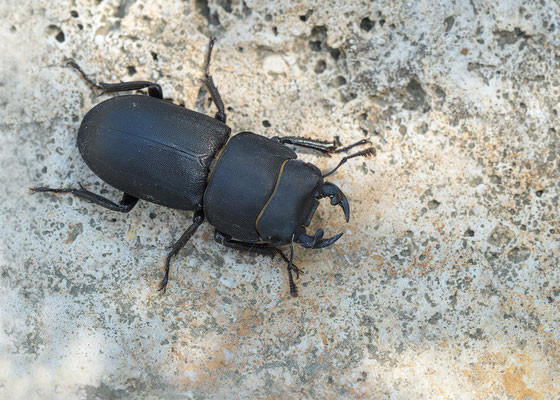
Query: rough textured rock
[[446, 283]]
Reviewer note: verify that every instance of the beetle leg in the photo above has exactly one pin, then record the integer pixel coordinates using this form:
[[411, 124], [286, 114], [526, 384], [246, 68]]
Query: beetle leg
[[324, 147], [264, 249], [126, 204], [154, 90], [259, 248], [179, 244], [216, 98]]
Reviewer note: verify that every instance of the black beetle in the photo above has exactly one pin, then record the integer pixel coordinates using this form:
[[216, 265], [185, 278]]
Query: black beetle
[[252, 189]]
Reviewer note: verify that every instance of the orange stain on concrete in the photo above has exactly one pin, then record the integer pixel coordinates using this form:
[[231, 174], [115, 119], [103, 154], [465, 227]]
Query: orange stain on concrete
[[514, 385]]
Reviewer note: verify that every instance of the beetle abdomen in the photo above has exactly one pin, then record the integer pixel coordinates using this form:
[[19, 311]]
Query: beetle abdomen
[[152, 149]]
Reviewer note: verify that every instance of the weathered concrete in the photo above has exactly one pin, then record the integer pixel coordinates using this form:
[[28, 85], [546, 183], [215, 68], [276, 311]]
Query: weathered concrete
[[446, 283]]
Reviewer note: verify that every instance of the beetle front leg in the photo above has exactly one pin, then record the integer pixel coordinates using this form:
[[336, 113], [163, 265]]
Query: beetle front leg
[[154, 90], [179, 244], [259, 248], [264, 249], [126, 204], [324, 147]]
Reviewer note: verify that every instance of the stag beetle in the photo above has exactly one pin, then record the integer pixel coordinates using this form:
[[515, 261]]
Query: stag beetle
[[254, 190]]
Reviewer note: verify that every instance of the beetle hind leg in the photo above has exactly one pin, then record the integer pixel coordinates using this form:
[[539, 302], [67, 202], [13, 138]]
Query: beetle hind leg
[[126, 204]]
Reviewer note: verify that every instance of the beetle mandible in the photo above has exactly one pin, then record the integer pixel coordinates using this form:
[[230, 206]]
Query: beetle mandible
[[253, 190]]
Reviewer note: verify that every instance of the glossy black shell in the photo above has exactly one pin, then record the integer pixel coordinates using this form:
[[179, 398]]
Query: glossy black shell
[[152, 149]]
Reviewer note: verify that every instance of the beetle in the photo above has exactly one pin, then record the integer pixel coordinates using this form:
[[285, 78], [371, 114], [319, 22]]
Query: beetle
[[252, 189]]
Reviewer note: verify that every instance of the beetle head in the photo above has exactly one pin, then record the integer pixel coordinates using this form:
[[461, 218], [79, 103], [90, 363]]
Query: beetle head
[[293, 203]]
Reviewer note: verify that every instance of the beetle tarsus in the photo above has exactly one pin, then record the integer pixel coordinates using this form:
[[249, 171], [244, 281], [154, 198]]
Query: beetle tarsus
[[293, 288], [209, 56], [90, 83], [216, 98], [179, 244]]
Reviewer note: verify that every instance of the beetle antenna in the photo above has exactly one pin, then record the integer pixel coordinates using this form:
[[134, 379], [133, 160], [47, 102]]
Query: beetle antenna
[[293, 289], [364, 153], [359, 143]]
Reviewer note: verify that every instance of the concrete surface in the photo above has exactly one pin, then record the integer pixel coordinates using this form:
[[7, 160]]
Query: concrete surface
[[446, 283]]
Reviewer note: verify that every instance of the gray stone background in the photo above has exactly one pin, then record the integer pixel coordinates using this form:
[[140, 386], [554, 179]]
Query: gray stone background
[[446, 282]]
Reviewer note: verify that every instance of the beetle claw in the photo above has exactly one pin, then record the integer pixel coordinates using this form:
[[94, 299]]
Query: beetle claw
[[328, 189], [317, 241]]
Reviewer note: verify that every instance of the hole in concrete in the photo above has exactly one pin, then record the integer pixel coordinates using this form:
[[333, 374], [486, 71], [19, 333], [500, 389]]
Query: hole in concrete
[[131, 70], [60, 37], [246, 9], [266, 124], [340, 81], [203, 9], [226, 5], [315, 45], [319, 31], [449, 22], [154, 56], [367, 24], [305, 17], [320, 67], [74, 14], [433, 204], [335, 54]]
